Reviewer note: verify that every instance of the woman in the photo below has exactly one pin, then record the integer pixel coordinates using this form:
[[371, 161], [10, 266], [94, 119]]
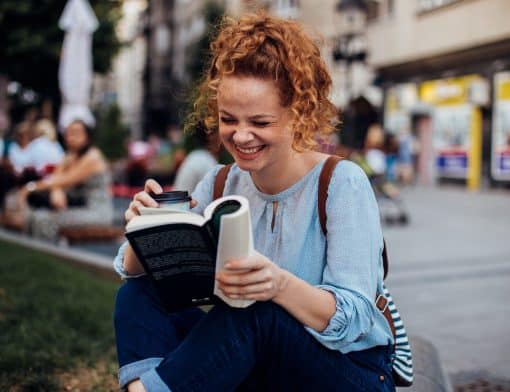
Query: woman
[[314, 323], [77, 192]]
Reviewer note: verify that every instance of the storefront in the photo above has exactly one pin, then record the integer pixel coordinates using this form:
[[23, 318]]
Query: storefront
[[457, 126], [500, 152]]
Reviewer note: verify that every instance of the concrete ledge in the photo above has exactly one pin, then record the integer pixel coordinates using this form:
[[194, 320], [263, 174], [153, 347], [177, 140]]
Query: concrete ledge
[[429, 375], [89, 260]]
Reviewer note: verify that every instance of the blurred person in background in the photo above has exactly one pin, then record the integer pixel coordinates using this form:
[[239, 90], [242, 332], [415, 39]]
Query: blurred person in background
[[202, 157], [18, 154], [374, 153], [391, 151], [77, 193], [44, 150], [406, 157], [140, 154]]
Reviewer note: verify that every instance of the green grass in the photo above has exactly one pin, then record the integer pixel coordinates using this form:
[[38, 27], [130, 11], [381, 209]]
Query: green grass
[[53, 318]]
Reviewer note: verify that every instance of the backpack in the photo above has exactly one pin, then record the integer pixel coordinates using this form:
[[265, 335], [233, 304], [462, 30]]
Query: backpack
[[402, 362]]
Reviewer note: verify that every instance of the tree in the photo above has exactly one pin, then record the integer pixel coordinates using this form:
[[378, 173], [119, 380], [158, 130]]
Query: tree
[[30, 41], [199, 53]]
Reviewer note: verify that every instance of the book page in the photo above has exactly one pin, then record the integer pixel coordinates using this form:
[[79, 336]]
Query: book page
[[235, 241], [140, 222]]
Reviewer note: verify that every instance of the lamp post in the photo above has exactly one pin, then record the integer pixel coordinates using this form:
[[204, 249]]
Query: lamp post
[[350, 44]]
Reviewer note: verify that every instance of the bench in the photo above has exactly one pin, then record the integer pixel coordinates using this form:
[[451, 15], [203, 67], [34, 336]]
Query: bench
[[429, 375], [90, 233]]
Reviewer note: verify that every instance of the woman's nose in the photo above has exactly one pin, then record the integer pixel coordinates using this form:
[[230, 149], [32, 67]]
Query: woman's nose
[[243, 135]]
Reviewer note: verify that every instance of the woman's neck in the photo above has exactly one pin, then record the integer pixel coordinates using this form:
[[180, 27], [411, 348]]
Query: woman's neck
[[276, 179]]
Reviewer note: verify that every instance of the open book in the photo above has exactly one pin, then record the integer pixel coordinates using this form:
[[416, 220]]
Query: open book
[[182, 251]]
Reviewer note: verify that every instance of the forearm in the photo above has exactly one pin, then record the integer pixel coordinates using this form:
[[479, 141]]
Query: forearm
[[131, 264], [310, 305]]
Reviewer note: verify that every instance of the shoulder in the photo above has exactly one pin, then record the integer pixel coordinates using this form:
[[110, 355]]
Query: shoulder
[[348, 171], [349, 177], [93, 155]]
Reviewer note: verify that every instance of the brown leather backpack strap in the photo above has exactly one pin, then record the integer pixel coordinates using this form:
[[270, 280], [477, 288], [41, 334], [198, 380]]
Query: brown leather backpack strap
[[324, 180], [386, 264], [220, 180]]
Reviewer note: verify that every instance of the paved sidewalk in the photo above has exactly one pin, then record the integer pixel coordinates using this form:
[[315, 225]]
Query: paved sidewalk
[[450, 276]]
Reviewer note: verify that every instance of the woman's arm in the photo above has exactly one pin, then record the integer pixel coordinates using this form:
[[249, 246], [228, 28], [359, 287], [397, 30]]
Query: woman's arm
[[258, 278], [89, 164], [68, 175], [312, 306]]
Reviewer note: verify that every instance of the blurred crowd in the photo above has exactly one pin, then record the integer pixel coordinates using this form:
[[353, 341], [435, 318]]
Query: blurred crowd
[[52, 180], [47, 185]]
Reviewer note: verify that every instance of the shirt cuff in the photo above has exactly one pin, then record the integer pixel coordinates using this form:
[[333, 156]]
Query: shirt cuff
[[152, 382], [135, 370], [118, 263]]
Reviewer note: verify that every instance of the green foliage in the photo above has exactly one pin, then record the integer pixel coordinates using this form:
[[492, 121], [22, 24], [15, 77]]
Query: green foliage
[[52, 317], [111, 133], [30, 41]]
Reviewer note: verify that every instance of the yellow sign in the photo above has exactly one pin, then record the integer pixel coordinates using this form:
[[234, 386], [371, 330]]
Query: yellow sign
[[452, 91], [503, 92]]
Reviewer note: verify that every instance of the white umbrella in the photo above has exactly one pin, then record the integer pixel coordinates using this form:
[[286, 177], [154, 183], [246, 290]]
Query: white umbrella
[[75, 70]]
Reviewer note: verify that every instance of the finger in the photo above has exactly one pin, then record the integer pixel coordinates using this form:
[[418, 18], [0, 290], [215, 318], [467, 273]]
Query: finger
[[242, 279], [248, 263], [193, 203], [145, 199], [128, 215], [135, 207], [252, 289], [152, 186]]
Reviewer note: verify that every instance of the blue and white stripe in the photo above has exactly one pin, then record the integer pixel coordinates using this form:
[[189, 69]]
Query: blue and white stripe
[[402, 357]]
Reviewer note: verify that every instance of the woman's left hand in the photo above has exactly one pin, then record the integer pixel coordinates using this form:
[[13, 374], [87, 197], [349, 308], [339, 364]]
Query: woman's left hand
[[254, 277]]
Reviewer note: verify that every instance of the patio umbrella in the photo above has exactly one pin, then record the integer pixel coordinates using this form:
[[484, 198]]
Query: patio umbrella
[[75, 70]]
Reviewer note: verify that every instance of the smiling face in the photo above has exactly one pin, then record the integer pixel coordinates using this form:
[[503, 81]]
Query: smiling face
[[253, 125]]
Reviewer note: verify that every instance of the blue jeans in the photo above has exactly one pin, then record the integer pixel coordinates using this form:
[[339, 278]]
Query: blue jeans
[[258, 348]]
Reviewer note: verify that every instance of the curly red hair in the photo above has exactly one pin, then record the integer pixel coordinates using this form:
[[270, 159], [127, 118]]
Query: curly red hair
[[266, 47]]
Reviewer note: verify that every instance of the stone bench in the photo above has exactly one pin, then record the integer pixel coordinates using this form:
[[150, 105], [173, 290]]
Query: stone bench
[[90, 233], [429, 375]]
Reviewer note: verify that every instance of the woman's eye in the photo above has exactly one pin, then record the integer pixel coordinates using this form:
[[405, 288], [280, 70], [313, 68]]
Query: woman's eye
[[226, 120], [261, 123]]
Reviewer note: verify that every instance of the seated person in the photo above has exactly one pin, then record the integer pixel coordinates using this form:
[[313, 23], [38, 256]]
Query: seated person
[[76, 194], [45, 152], [201, 158], [18, 154]]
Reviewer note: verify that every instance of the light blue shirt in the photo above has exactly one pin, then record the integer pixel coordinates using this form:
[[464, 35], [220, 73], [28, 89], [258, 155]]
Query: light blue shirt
[[349, 264]]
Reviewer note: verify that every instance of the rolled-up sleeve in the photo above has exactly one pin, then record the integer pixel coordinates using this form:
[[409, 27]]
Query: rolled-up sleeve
[[353, 266], [118, 263]]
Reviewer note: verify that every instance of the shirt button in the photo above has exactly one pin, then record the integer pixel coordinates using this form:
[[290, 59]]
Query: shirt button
[[381, 378]]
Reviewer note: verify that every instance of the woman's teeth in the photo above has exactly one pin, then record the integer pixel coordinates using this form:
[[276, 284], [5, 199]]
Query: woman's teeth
[[251, 150]]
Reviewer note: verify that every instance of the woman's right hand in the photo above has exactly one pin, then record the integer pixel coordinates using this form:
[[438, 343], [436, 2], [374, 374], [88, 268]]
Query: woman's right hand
[[143, 199]]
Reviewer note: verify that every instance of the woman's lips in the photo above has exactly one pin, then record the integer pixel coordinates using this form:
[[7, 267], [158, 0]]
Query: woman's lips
[[248, 153]]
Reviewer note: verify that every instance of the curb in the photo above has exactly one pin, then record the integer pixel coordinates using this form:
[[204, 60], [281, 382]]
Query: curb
[[102, 264]]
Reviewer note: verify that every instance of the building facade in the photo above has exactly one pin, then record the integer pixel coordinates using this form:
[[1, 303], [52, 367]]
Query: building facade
[[446, 62]]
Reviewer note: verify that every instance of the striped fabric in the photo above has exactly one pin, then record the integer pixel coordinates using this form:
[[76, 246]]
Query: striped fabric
[[402, 358]]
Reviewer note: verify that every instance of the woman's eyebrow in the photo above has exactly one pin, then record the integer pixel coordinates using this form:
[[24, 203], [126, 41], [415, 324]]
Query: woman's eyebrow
[[262, 116], [254, 117]]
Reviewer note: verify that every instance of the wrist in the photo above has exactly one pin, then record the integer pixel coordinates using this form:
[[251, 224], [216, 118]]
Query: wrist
[[284, 280]]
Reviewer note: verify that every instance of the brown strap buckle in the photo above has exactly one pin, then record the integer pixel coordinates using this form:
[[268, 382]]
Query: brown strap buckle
[[381, 303]]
